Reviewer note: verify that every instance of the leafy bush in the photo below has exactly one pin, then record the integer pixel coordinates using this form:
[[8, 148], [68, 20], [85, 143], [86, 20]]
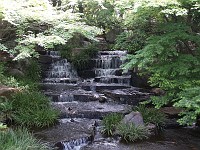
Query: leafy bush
[[110, 122], [33, 71], [130, 40], [33, 109], [132, 133], [81, 60], [189, 100], [6, 109], [151, 115], [19, 139]]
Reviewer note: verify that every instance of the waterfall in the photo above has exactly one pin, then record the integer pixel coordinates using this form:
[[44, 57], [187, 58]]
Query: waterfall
[[75, 144], [107, 68], [60, 70]]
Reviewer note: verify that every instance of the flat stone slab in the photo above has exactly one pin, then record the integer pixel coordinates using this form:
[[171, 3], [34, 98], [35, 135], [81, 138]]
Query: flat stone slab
[[57, 86], [73, 95], [131, 96], [92, 110], [67, 130], [103, 86]]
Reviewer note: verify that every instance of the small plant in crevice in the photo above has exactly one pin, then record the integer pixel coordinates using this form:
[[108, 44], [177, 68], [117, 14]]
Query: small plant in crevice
[[110, 123], [152, 115], [32, 109], [132, 133], [6, 110], [82, 59], [19, 139]]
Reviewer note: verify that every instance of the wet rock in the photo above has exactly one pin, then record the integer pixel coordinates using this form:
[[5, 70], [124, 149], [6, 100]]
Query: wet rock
[[16, 73], [171, 112], [102, 99], [131, 96], [152, 129], [134, 118], [89, 109], [158, 91], [67, 131], [171, 123], [103, 145], [102, 86], [46, 59], [7, 91]]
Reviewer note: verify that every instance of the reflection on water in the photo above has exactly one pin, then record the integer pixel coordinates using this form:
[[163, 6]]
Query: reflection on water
[[170, 139]]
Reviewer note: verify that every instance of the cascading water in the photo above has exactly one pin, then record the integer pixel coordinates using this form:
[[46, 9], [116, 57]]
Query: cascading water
[[61, 71], [75, 144], [107, 68]]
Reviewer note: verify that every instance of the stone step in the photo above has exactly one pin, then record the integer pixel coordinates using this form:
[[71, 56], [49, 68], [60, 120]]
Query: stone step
[[91, 110], [73, 95], [103, 86], [113, 79], [98, 71], [116, 52], [131, 96], [61, 80], [58, 86]]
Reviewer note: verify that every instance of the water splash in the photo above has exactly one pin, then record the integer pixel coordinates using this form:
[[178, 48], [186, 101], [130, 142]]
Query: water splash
[[74, 144]]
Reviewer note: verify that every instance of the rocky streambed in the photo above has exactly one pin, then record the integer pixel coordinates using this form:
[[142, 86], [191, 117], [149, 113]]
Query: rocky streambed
[[83, 103]]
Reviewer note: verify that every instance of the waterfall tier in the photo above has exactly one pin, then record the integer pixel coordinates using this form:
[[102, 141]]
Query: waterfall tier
[[107, 68], [60, 70]]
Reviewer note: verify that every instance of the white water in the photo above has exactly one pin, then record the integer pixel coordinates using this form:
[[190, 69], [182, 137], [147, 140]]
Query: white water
[[108, 68], [60, 70]]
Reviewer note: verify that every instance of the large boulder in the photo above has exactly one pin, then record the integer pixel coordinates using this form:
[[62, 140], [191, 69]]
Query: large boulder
[[134, 118]]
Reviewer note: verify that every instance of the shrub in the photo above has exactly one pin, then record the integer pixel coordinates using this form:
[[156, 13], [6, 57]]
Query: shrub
[[151, 115], [132, 133], [20, 139], [33, 71], [110, 122], [189, 102], [33, 109], [81, 60], [6, 109]]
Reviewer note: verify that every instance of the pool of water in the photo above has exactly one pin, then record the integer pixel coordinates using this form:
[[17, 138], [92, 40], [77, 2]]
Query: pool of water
[[170, 139]]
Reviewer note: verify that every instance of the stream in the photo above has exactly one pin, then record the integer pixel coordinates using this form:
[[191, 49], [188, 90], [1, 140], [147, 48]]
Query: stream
[[84, 98]]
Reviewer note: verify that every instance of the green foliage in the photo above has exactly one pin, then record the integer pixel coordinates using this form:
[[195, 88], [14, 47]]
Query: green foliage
[[110, 123], [19, 139], [6, 109], [82, 59], [171, 53], [39, 23], [151, 115], [189, 100], [33, 109], [132, 133], [33, 71], [130, 41], [9, 81]]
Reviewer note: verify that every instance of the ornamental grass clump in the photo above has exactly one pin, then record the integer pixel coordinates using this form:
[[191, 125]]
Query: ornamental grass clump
[[33, 109], [110, 123], [19, 139], [131, 132]]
